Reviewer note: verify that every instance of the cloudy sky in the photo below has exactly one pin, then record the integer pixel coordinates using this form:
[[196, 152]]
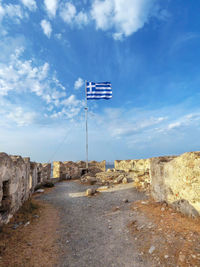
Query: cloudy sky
[[148, 49]]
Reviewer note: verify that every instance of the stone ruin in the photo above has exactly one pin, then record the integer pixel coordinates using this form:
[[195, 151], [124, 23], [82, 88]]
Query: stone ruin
[[18, 179], [172, 179], [74, 170]]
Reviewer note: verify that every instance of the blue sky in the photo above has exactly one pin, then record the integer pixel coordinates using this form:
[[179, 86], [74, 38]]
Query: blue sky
[[148, 49]]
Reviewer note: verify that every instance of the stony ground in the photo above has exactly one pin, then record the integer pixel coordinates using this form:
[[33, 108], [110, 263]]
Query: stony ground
[[94, 230], [116, 227]]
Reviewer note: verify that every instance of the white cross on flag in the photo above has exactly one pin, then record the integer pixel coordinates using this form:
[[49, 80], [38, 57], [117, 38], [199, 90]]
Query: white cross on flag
[[100, 90]]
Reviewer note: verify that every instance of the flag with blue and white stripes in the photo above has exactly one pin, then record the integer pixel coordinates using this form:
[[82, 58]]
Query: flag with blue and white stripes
[[101, 90]]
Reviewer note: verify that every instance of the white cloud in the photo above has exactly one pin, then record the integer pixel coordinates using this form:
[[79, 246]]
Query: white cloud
[[182, 39], [12, 11], [183, 122], [81, 18], [51, 7], [78, 83], [30, 4], [58, 36], [20, 117], [102, 12], [129, 127], [23, 76], [68, 13], [2, 12], [72, 107], [71, 101], [125, 17], [46, 26], [174, 125]]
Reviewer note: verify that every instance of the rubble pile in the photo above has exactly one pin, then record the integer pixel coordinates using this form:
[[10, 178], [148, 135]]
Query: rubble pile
[[109, 177], [138, 170]]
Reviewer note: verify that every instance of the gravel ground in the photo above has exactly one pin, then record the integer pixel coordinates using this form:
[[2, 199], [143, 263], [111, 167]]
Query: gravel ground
[[94, 230]]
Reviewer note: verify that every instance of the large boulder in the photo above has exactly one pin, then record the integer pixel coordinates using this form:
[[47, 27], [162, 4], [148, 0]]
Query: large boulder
[[119, 179]]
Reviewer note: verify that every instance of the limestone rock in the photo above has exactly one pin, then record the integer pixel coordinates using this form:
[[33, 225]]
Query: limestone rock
[[176, 181], [90, 192], [106, 178], [40, 191], [124, 181], [119, 179], [151, 250], [181, 258], [102, 188]]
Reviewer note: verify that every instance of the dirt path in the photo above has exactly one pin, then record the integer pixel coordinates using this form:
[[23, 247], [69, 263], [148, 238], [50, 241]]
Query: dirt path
[[94, 230], [117, 227]]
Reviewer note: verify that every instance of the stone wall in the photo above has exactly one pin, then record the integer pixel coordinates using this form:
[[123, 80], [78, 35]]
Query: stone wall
[[138, 165], [177, 181], [72, 170], [173, 179], [18, 179]]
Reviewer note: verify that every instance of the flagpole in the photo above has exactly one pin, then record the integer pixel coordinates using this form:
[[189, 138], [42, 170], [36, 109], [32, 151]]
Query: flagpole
[[86, 124]]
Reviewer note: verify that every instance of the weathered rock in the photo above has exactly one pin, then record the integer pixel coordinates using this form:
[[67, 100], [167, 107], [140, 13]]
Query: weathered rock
[[102, 188], [26, 224], [40, 191], [107, 176], [119, 179], [151, 250], [177, 181], [90, 192], [124, 181], [181, 258]]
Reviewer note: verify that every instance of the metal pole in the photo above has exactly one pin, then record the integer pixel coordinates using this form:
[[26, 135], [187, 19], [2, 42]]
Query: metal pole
[[86, 124]]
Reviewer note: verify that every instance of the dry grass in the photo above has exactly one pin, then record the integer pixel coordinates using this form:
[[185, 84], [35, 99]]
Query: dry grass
[[32, 245]]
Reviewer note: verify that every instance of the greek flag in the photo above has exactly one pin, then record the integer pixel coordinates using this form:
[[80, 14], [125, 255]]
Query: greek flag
[[101, 90]]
